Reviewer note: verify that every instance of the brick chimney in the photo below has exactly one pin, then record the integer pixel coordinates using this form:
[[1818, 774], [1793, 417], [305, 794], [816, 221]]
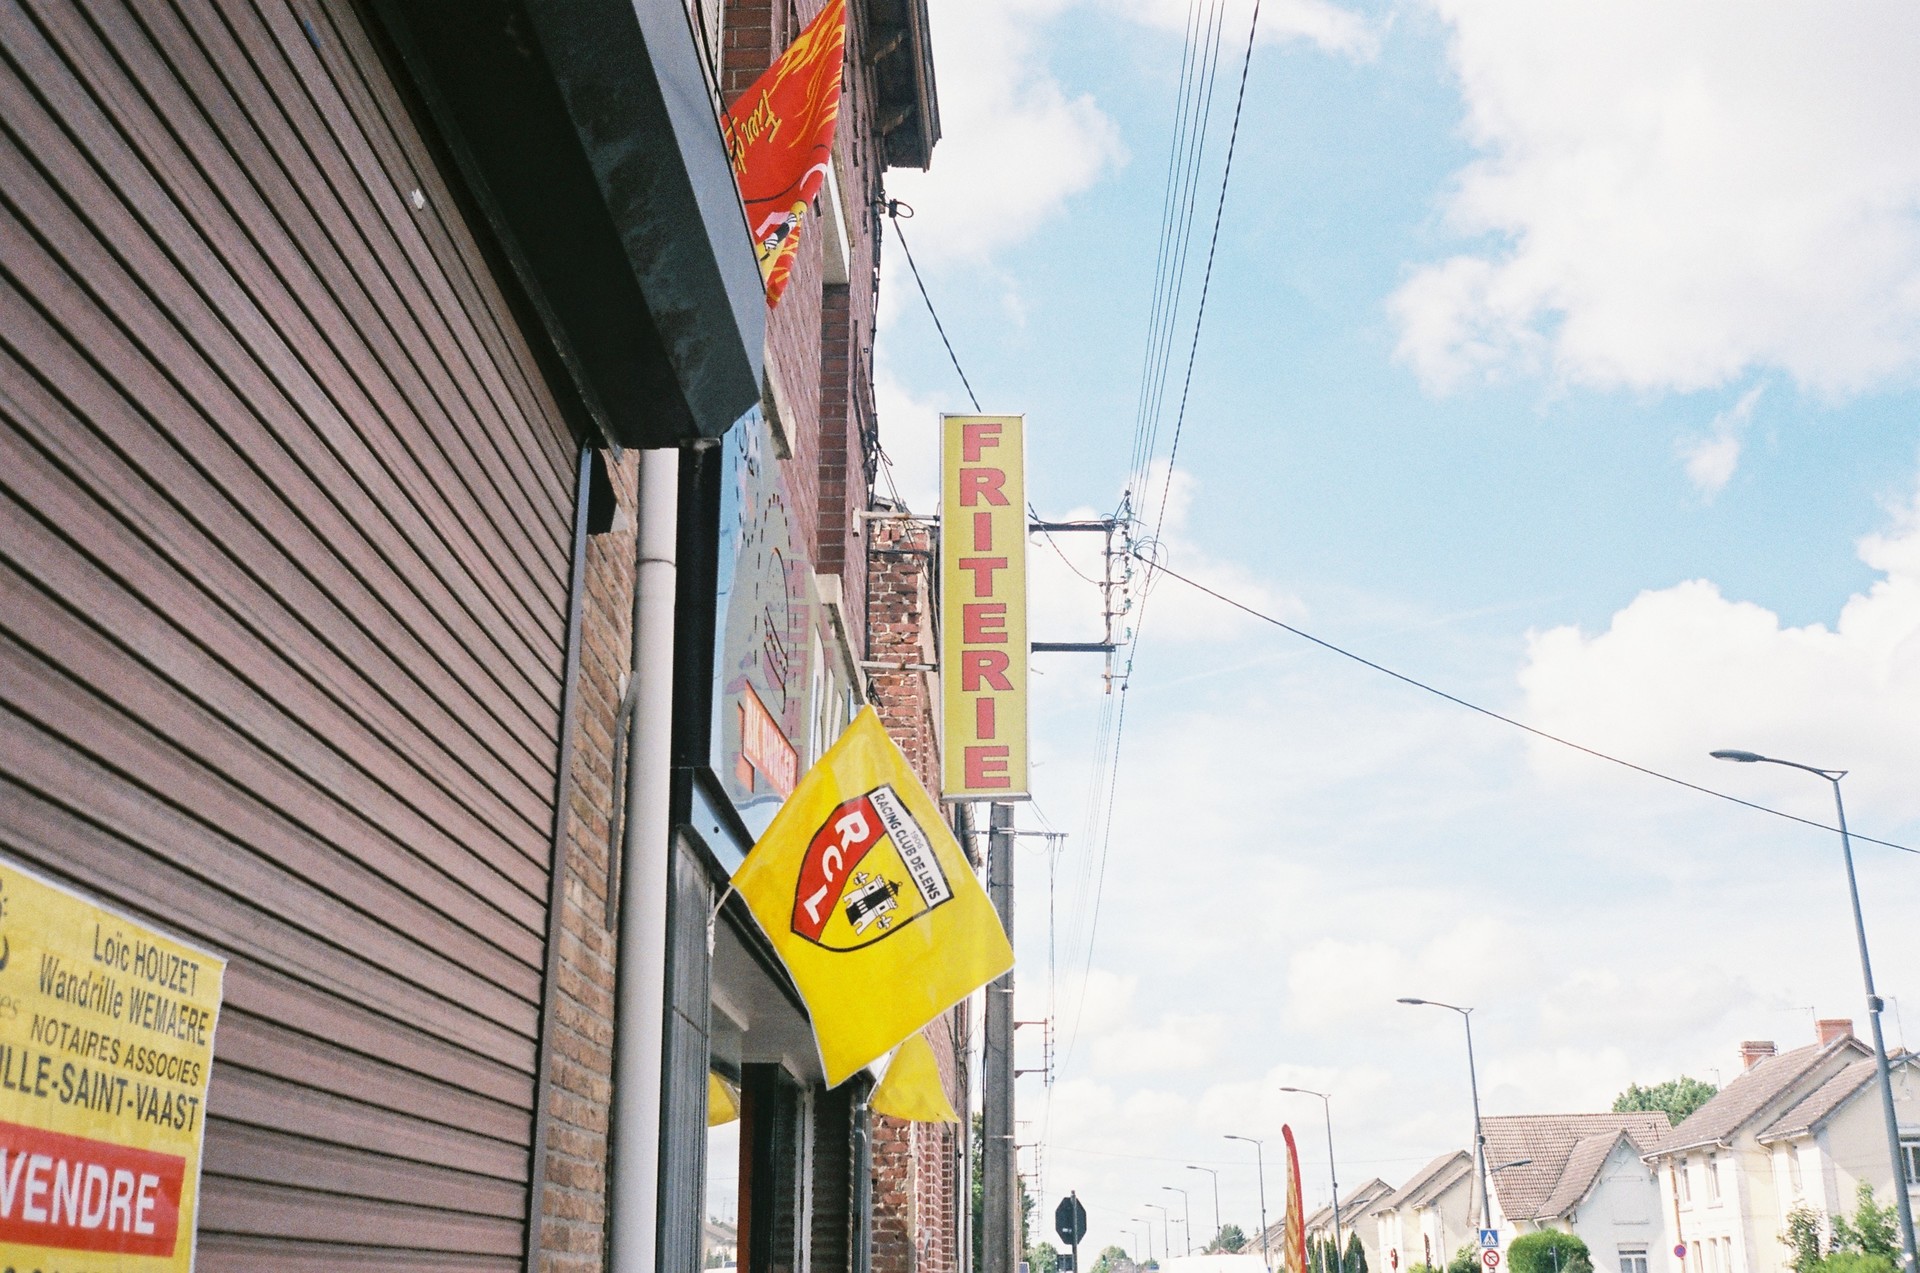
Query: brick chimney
[[1833, 1029], [1753, 1051]]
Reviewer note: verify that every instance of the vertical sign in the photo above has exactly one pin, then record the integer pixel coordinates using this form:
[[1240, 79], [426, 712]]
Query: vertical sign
[[983, 606], [106, 1040]]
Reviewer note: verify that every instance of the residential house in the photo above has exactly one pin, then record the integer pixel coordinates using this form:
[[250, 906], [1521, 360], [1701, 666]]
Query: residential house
[[1582, 1174], [1791, 1128], [1424, 1220], [1355, 1204], [1836, 1138], [1355, 1208]]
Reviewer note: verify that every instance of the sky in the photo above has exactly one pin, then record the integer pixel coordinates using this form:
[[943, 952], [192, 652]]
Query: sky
[[1562, 357]]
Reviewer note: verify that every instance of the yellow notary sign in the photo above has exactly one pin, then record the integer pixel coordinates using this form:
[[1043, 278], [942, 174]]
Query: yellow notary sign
[[106, 1044], [869, 901], [983, 607]]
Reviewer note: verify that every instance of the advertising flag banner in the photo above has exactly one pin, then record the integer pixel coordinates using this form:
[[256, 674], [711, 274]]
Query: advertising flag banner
[[1293, 1251], [779, 135], [869, 901], [106, 1041], [911, 1089], [983, 607]]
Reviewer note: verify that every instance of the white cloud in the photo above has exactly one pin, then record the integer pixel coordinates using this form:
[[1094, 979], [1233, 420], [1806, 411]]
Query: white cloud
[[1680, 194], [1712, 458], [1328, 27], [1015, 145], [1683, 670], [910, 436]]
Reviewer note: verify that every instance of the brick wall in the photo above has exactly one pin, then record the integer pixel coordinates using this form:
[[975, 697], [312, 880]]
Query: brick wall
[[819, 350], [900, 631], [579, 1068], [919, 1184]]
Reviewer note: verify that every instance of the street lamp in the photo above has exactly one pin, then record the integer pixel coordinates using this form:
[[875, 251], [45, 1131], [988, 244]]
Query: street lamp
[[1166, 1234], [1261, 1167], [1875, 1005], [1473, 1077], [1326, 1104], [1186, 1208], [1216, 1195], [1149, 1224]]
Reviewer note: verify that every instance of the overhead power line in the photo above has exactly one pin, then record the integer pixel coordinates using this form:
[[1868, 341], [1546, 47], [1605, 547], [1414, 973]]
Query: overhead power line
[[893, 211], [1206, 279], [1455, 699]]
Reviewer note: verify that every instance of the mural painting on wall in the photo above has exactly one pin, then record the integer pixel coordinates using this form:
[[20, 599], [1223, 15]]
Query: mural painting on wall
[[763, 634]]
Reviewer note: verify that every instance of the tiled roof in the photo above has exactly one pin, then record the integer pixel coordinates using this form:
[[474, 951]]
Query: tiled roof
[[1583, 1168], [1753, 1093], [1363, 1200], [1429, 1182], [1565, 1151], [1819, 1105]]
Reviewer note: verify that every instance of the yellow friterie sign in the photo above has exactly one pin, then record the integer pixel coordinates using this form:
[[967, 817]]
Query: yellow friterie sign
[[106, 1041], [869, 902], [983, 607]]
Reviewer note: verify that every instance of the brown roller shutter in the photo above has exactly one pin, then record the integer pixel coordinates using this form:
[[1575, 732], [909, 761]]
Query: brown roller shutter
[[285, 520]]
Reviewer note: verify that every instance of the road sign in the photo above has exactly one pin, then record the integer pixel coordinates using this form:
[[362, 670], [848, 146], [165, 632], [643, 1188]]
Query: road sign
[[1679, 1250], [1063, 1262], [1393, 1257], [1489, 1237], [1070, 1220], [1490, 1258]]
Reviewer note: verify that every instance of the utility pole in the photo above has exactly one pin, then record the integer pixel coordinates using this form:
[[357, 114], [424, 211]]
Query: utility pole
[[1000, 1218]]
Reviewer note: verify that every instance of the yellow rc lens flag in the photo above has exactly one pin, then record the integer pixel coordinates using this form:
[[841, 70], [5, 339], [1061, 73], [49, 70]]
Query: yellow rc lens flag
[[912, 1089], [869, 901], [723, 1101]]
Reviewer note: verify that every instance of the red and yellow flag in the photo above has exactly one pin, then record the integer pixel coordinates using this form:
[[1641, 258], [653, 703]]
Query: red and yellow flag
[[869, 901], [780, 138], [1293, 1252]]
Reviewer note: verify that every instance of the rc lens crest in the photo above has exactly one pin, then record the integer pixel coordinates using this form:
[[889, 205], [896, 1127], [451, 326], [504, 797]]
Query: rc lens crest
[[869, 871]]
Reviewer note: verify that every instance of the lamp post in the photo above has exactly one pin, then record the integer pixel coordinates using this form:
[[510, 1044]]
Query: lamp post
[[1149, 1224], [1326, 1105], [1166, 1234], [1186, 1211], [1473, 1078], [1875, 1005], [1135, 1235], [1261, 1167], [1216, 1196]]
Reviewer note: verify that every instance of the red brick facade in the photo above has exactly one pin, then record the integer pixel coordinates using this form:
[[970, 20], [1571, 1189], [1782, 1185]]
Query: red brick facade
[[820, 388], [919, 1169], [580, 1067]]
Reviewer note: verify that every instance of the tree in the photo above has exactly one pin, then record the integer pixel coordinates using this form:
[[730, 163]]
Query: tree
[[1465, 1260], [1803, 1239], [1549, 1251], [1870, 1231], [1230, 1239], [1356, 1261], [1676, 1098], [1042, 1258], [1114, 1260]]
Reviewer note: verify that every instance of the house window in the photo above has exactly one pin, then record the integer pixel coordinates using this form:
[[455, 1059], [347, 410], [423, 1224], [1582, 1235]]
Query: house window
[[1910, 1155], [1633, 1260], [1793, 1169], [1683, 1176], [1713, 1178]]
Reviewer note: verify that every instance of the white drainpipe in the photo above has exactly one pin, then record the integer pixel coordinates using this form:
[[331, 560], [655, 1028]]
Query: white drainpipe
[[640, 1001]]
